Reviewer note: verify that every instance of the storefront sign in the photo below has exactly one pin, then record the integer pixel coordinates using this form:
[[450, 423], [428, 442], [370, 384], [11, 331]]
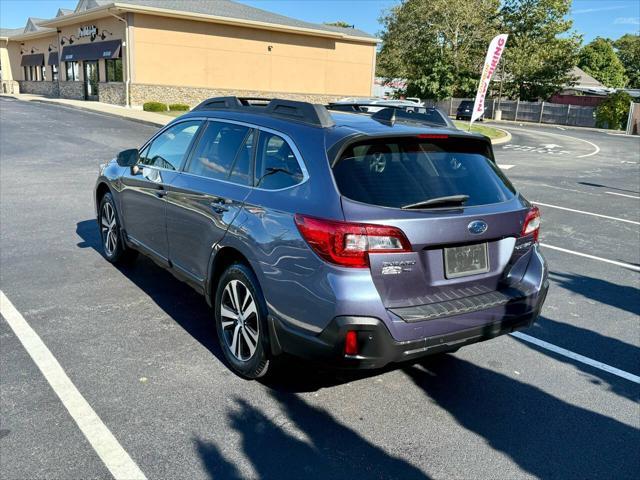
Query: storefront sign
[[87, 31]]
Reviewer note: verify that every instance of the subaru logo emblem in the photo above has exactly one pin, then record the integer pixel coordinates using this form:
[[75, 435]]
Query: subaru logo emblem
[[477, 227]]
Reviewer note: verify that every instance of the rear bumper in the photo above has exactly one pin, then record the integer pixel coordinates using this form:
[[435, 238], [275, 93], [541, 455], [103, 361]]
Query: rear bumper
[[378, 348]]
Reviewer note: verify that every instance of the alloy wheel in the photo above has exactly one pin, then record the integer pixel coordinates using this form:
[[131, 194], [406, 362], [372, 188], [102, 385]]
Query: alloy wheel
[[109, 229], [240, 322]]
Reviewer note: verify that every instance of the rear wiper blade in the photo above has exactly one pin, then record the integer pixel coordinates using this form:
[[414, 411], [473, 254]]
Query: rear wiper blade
[[432, 202]]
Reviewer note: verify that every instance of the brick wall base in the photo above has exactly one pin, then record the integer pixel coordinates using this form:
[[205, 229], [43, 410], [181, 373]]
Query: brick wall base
[[72, 90], [112, 93], [49, 89], [141, 93]]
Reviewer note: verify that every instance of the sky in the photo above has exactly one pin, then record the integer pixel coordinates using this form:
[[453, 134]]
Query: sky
[[592, 18]]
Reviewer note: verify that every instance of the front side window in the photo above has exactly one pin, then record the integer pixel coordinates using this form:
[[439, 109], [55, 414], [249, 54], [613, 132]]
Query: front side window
[[413, 172], [73, 74], [276, 165], [54, 73], [113, 69], [169, 148], [224, 153]]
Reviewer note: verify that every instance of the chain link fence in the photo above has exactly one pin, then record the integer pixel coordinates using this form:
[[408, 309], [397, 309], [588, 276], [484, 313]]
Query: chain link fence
[[537, 112]]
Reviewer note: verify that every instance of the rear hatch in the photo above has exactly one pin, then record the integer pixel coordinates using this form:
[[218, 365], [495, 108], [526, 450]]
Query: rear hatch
[[460, 215]]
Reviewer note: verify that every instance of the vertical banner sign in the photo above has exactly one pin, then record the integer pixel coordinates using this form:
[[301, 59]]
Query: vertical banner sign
[[496, 47]]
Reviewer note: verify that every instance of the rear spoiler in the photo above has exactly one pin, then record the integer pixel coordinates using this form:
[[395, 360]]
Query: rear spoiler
[[334, 153]]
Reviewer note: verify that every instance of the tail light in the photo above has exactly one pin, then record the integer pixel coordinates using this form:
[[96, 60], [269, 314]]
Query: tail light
[[531, 224], [351, 343], [349, 244]]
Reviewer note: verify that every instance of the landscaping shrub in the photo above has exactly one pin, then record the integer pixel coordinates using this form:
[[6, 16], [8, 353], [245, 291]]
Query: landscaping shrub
[[178, 107], [154, 107], [613, 112]]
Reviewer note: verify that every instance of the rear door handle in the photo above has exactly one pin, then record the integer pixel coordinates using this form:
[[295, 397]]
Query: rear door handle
[[219, 205]]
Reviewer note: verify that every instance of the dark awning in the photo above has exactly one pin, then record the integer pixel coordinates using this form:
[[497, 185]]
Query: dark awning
[[92, 51], [29, 60], [53, 58]]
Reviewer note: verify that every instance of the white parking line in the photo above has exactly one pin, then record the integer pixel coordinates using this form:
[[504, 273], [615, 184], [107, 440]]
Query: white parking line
[[505, 167], [596, 147], [623, 195], [629, 266], [577, 357], [588, 213], [115, 458]]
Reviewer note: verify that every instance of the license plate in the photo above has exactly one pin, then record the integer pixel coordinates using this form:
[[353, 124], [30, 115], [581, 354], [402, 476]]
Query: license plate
[[467, 260]]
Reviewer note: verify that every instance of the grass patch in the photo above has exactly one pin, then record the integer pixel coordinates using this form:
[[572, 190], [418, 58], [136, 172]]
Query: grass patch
[[490, 132]]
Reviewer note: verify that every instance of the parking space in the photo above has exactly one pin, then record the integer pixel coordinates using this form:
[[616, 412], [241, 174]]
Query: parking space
[[140, 346]]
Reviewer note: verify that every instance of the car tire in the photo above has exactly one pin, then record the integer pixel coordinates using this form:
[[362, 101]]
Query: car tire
[[241, 322], [113, 247]]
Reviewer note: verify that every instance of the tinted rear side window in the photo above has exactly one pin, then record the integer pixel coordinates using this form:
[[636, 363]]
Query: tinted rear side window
[[223, 152], [276, 165], [401, 172]]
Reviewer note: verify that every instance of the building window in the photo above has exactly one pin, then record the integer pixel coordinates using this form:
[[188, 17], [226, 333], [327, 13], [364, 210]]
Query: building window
[[114, 69], [32, 73], [73, 74], [26, 72], [43, 73], [54, 73]]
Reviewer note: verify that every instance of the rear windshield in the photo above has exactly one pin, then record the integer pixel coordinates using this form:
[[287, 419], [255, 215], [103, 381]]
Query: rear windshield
[[466, 104], [401, 172]]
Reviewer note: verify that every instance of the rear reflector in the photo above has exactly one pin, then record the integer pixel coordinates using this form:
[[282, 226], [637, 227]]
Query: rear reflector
[[349, 244], [531, 225], [351, 343]]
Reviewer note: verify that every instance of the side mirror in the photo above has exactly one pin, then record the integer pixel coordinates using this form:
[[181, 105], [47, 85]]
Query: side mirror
[[128, 158]]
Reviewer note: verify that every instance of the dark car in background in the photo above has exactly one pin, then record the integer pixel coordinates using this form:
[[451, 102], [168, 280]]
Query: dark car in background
[[465, 109], [351, 238]]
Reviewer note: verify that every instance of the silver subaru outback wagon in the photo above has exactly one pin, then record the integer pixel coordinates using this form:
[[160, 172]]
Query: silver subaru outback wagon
[[353, 238]]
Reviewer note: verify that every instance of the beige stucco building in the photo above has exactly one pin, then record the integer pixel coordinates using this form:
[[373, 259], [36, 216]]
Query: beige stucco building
[[182, 51]]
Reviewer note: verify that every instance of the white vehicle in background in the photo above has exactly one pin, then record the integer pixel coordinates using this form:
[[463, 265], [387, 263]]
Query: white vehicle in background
[[383, 102], [411, 108]]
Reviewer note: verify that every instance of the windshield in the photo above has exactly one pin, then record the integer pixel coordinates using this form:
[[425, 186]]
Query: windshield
[[400, 172]]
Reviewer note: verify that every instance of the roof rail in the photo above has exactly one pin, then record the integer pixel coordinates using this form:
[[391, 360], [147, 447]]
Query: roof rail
[[303, 112]]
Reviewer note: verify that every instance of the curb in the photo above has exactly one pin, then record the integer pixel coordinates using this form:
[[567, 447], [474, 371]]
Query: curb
[[99, 112], [92, 110], [501, 140]]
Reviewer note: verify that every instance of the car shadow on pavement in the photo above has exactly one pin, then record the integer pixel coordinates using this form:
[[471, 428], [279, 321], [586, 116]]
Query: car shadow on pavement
[[546, 436], [602, 291], [590, 184], [179, 301], [591, 344], [327, 449], [190, 310]]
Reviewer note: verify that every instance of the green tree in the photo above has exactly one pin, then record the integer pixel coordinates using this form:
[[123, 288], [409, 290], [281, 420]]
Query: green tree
[[628, 50], [541, 49], [437, 45], [600, 61], [613, 112]]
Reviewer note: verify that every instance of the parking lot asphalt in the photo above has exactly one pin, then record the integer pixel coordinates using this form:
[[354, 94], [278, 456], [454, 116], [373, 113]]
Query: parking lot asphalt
[[140, 346]]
